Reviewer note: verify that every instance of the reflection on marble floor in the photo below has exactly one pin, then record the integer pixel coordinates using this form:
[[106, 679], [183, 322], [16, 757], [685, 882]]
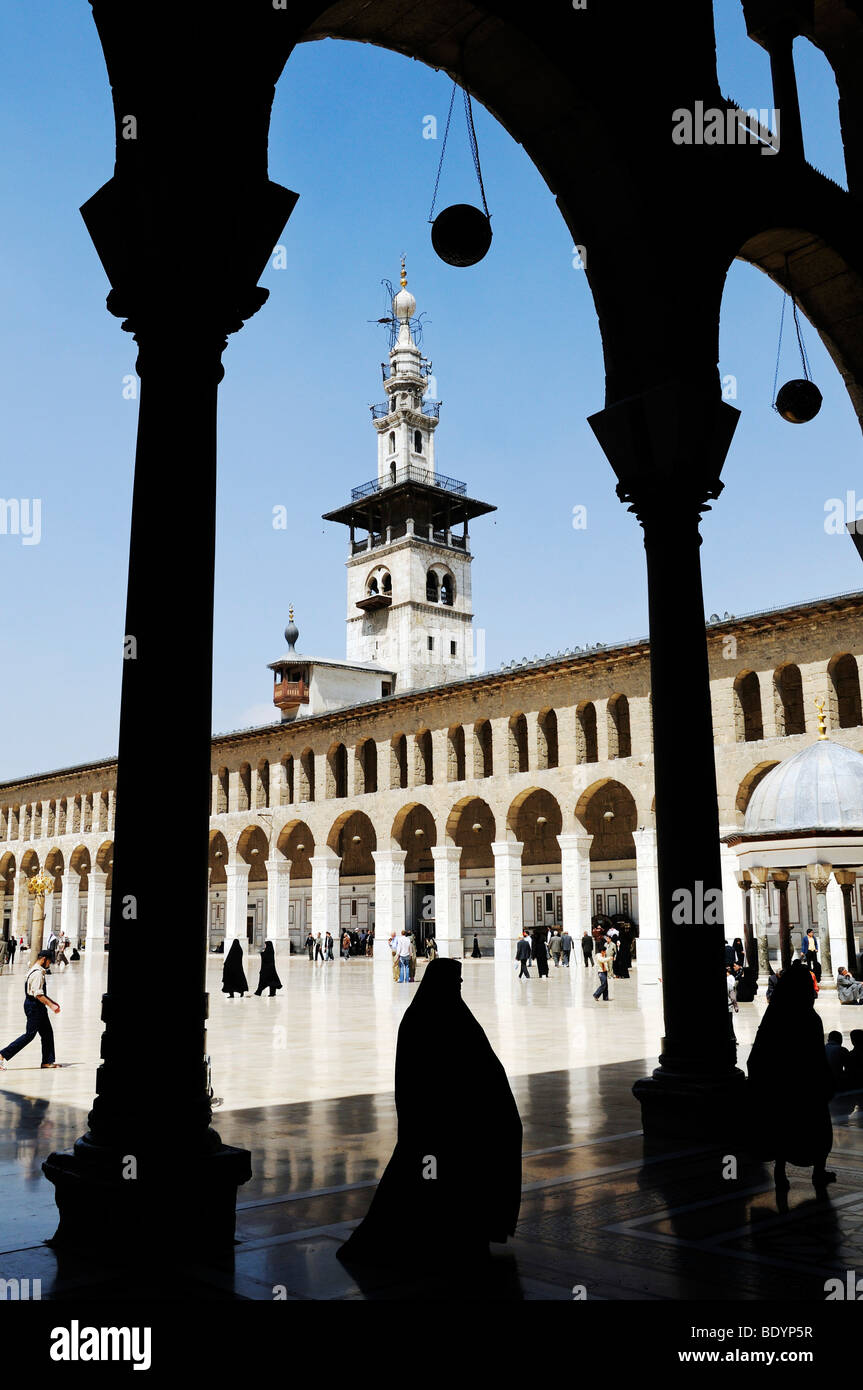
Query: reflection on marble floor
[[306, 1082]]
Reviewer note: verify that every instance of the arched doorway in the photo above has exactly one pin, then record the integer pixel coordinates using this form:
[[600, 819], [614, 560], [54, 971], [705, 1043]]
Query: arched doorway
[[607, 811]]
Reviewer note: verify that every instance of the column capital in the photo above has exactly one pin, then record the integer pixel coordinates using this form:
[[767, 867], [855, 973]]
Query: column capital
[[446, 854], [507, 849], [239, 869], [846, 878], [279, 867], [394, 857], [575, 840]]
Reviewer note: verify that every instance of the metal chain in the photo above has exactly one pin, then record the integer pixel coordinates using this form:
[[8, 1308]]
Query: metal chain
[[474, 149], [778, 352], [443, 150]]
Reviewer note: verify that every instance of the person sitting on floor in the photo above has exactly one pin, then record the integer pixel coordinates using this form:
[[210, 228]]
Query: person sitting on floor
[[838, 1058], [850, 991]]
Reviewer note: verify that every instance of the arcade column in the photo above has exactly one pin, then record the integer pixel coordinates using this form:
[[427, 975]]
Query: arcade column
[[447, 900]]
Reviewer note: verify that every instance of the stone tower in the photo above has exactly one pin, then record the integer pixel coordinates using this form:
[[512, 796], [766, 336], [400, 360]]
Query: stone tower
[[409, 584]]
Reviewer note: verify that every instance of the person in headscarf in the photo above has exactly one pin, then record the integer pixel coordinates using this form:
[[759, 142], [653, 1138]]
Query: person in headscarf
[[476, 953], [540, 953], [454, 1180], [623, 959], [791, 1082], [233, 975], [268, 978]]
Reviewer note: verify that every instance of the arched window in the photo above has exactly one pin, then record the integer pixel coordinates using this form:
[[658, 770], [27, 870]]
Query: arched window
[[547, 744], [844, 692], [367, 766], [619, 737], [788, 701], [373, 585], [748, 723], [483, 759], [418, 441], [392, 441], [518, 758], [387, 583], [455, 768], [586, 746], [432, 587], [447, 590]]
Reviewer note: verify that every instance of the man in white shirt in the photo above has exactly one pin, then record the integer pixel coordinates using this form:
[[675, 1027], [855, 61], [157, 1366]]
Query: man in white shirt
[[602, 963], [404, 950], [36, 1006]]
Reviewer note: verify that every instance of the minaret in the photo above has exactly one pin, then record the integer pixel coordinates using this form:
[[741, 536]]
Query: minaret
[[409, 586]]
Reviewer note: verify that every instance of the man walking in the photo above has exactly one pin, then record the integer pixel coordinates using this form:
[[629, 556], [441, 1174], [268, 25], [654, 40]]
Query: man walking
[[404, 951], [522, 953], [36, 1006], [555, 948], [587, 949], [13, 946], [601, 992], [566, 947]]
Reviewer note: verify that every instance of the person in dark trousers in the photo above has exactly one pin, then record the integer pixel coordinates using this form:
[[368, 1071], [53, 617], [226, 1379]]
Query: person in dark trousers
[[268, 978], [476, 953], [310, 946], [601, 991], [36, 1006], [791, 1082], [566, 947], [739, 952], [555, 948], [13, 946], [233, 975], [319, 947], [587, 949], [540, 953], [809, 952], [523, 954], [454, 1180], [328, 946]]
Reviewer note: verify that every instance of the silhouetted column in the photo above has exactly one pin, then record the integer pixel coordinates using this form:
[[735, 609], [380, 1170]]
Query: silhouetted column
[[846, 878], [507, 896], [447, 899], [389, 899], [667, 447], [780, 877]]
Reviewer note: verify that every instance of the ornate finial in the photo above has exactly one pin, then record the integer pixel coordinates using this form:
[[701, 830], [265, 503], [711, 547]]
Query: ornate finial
[[292, 632], [822, 721], [290, 613], [404, 278]]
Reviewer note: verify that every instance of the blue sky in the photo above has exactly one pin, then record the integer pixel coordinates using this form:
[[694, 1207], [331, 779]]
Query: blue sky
[[517, 359]]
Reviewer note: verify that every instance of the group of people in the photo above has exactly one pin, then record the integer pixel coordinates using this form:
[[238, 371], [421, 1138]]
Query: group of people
[[234, 976], [403, 946]]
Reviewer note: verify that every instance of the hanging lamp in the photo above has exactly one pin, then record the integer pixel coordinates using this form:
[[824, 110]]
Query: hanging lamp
[[461, 234], [798, 401]]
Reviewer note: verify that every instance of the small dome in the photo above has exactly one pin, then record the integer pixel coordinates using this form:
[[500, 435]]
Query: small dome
[[404, 305], [819, 788]]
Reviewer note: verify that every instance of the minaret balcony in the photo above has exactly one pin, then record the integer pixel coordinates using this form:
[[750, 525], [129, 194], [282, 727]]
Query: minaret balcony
[[287, 694], [411, 473], [375, 601], [429, 408]]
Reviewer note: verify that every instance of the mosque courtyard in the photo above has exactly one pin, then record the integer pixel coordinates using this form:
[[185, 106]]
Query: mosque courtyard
[[305, 1081]]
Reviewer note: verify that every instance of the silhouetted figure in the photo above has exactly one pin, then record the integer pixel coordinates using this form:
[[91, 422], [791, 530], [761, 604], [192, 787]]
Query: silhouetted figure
[[454, 1181], [524, 955], [13, 946], [854, 1064], [268, 978], [540, 954], [838, 1058], [739, 952], [310, 946], [772, 982], [747, 985], [587, 949], [791, 1082], [476, 953], [623, 959], [233, 975]]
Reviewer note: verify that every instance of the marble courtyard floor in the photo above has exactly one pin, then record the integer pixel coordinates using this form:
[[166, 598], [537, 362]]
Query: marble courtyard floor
[[305, 1083]]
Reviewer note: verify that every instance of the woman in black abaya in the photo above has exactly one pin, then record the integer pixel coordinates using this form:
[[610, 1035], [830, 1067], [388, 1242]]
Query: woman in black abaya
[[268, 978], [791, 1083], [454, 1181], [539, 951], [233, 975]]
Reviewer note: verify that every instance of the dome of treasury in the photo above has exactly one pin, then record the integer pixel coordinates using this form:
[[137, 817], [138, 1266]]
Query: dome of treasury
[[819, 788]]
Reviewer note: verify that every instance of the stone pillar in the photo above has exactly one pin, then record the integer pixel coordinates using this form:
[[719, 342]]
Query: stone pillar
[[836, 927], [278, 906], [389, 899], [744, 882], [69, 899], [780, 878], [758, 880], [575, 884], [667, 445], [96, 892], [325, 894], [820, 877], [507, 896], [846, 879], [236, 902], [601, 707], [447, 900], [649, 966]]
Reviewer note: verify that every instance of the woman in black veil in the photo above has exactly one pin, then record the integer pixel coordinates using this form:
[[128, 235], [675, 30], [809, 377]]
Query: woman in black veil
[[454, 1181], [268, 978], [791, 1082], [233, 975]]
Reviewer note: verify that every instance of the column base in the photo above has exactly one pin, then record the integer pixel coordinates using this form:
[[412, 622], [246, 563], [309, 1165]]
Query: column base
[[680, 1106], [180, 1203]]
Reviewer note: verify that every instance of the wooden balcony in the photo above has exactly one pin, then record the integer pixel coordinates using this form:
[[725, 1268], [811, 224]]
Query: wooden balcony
[[286, 694]]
